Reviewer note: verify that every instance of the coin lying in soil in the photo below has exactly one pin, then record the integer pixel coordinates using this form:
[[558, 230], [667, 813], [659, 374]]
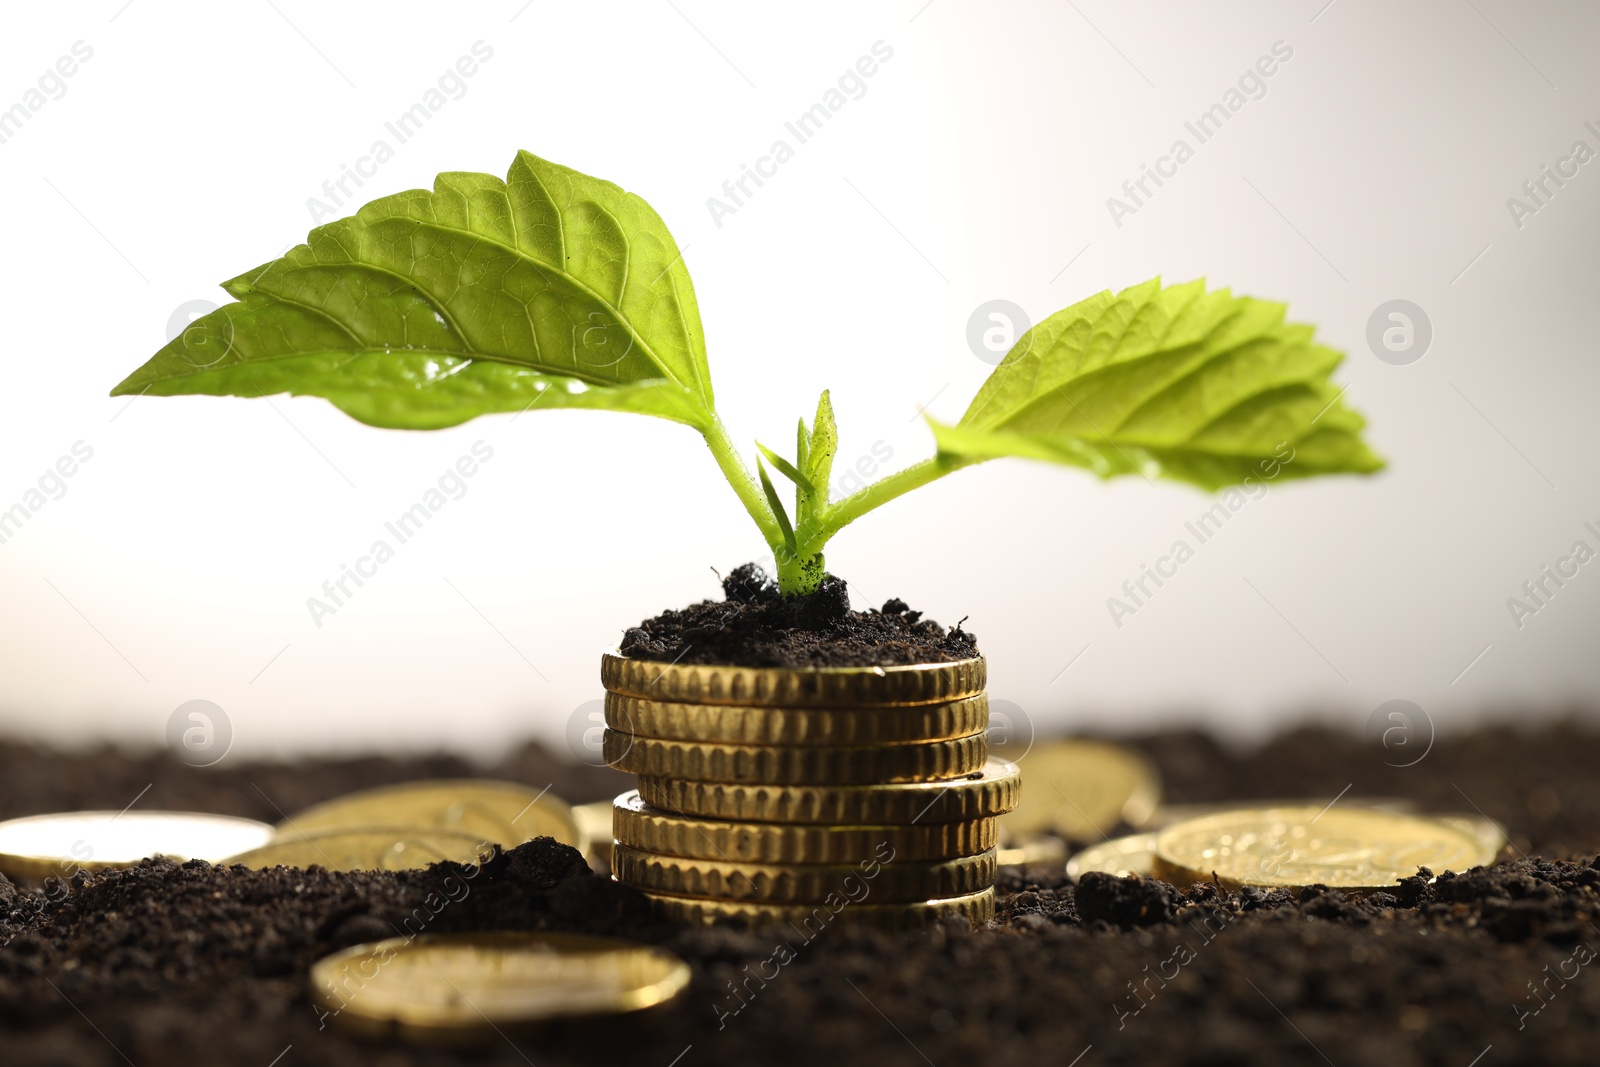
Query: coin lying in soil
[[1351, 849], [1490, 834], [502, 813], [1121, 856], [1167, 814], [60, 845], [1083, 790], [399, 849], [470, 987]]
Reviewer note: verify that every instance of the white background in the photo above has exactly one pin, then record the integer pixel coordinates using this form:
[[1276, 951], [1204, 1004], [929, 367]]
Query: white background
[[977, 166]]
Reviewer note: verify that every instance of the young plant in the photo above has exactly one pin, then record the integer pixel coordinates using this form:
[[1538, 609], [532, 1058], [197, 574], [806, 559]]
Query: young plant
[[554, 289]]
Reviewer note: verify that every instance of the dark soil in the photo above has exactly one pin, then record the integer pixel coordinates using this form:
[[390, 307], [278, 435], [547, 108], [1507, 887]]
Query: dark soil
[[756, 626], [192, 964]]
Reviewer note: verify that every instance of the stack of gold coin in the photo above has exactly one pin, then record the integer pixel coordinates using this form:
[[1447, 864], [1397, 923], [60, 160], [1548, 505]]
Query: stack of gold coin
[[806, 795]]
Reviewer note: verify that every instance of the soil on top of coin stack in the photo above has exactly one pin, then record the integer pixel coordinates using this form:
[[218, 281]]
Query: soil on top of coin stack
[[756, 626]]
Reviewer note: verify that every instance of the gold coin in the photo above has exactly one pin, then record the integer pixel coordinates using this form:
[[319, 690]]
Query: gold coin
[[1082, 790], [62, 844], [796, 765], [399, 849], [803, 883], [472, 986], [1167, 814], [502, 813], [594, 823], [733, 724], [649, 829], [1121, 856], [925, 683], [1349, 849], [990, 791], [1042, 850], [809, 920], [1490, 834]]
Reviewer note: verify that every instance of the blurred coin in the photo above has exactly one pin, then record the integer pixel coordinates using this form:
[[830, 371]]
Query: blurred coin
[[1167, 814], [990, 791], [1350, 849], [1083, 790], [399, 849], [472, 986], [1490, 834], [40, 846], [501, 813], [1121, 856], [594, 823], [1037, 850]]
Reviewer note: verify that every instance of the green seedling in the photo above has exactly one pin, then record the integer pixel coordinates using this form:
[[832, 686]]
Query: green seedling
[[553, 289]]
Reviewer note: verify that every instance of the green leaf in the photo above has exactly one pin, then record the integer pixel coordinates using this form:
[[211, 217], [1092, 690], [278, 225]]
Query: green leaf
[[1206, 388], [785, 468], [816, 460], [820, 449], [777, 508], [426, 309]]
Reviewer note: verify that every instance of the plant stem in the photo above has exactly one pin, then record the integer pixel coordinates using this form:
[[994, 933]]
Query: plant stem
[[798, 575], [800, 572], [738, 475], [857, 504]]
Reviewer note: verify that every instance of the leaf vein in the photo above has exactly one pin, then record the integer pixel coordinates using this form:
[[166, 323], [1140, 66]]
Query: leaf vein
[[576, 282]]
